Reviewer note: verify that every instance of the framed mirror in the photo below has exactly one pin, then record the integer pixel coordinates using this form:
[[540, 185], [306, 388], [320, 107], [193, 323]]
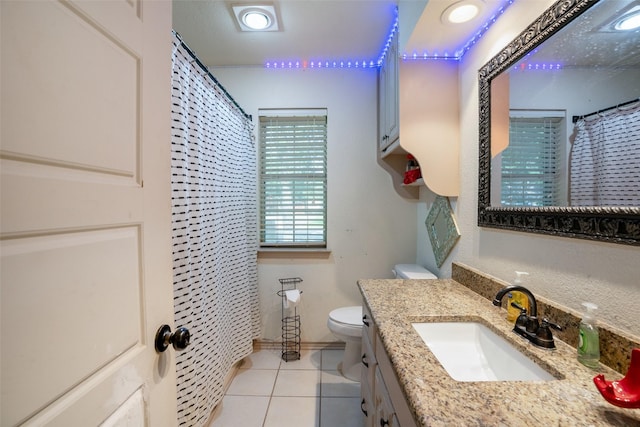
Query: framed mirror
[[569, 69]]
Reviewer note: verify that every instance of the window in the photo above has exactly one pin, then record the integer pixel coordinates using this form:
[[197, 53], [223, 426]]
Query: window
[[293, 179], [533, 170]]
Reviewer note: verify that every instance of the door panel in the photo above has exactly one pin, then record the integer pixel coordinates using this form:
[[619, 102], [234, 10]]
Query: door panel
[[76, 83], [86, 224], [73, 346]]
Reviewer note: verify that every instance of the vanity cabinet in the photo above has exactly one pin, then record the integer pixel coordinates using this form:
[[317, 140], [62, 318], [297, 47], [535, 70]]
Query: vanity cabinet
[[383, 402]]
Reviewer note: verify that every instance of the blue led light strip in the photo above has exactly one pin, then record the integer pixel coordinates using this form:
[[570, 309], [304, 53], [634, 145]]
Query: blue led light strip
[[484, 29], [320, 64], [458, 54], [355, 64], [364, 64], [392, 34]]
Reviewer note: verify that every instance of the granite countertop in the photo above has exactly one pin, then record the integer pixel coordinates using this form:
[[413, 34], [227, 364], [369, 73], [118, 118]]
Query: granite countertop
[[438, 400]]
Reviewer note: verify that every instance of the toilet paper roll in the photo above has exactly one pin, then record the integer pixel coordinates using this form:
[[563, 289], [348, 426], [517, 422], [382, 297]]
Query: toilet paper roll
[[292, 298]]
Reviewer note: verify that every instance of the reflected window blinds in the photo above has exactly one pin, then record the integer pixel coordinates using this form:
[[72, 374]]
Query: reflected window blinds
[[532, 165]]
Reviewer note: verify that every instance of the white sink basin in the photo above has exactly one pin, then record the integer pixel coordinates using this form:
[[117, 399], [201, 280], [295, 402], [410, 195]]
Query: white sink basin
[[469, 351]]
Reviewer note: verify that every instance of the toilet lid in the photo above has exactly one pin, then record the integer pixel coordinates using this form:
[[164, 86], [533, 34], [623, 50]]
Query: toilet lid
[[412, 271], [347, 315]]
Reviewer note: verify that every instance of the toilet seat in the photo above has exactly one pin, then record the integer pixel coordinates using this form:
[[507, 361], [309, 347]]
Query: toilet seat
[[349, 315], [346, 320]]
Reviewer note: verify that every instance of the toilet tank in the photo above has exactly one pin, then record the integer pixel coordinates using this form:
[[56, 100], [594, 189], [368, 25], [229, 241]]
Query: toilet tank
[[412, 271]]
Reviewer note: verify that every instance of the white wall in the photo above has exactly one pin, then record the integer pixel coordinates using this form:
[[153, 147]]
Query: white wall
[[567, 271], [370, 227]]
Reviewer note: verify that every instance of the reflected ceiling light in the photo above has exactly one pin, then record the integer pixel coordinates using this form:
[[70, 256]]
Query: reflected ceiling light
[[256, 17], [629, 21], [462, 11]]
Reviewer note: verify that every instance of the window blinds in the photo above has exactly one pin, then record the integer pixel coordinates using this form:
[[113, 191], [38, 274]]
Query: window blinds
[[293, 181], [531, 165]]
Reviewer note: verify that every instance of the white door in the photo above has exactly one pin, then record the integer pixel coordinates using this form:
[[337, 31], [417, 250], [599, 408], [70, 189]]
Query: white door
[[86, 224]]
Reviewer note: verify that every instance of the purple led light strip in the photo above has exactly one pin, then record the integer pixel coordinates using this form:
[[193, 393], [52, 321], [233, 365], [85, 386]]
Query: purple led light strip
[[367, 64]]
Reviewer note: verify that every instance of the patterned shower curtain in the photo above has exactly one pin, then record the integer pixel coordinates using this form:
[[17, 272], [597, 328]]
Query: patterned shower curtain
[[605, 159], [214, 216]]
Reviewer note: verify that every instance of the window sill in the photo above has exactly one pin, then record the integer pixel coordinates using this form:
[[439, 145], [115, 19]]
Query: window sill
[[280, 253]]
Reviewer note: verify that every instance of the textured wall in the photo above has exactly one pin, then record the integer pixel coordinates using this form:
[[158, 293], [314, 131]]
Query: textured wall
[[370, 228], [566, 271]]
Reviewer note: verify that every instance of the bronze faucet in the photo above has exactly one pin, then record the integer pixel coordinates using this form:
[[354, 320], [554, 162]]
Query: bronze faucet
[[527, 324]]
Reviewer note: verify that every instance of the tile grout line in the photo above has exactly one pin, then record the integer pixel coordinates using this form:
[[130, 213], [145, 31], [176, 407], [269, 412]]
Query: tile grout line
[[322, 355], [273, 388], [318, 395]]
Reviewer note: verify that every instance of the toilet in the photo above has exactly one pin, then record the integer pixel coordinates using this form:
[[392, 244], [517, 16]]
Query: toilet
[[346, 323]]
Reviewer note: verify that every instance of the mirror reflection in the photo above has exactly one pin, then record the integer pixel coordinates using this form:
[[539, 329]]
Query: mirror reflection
[[565, 118]]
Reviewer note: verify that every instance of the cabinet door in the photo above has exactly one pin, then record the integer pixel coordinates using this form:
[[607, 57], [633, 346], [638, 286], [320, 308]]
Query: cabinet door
[[368, 369], [367, 404], [385, 415], [369, 362], [393, 389], [383, 136], [389, 98], [369, 328], [392, 101]]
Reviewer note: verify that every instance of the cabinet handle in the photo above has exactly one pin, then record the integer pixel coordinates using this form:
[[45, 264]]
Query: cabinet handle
[[364, 360], [383, 422], [365, 321], [364, 411]]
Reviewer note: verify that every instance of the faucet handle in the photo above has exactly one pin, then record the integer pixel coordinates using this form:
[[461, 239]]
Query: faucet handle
[[547, 323], [544, 337], [519, 307]]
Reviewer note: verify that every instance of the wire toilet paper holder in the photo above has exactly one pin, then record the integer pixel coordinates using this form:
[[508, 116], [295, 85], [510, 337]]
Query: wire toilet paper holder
[[290, 324]]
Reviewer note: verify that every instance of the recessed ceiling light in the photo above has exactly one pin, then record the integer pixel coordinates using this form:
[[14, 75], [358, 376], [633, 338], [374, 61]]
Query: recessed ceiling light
[[256, 17], [462, 11], [256, 20], [629, 21]]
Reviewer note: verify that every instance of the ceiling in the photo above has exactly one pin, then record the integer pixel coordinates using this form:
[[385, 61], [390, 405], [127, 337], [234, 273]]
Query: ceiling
[[311, 30], [588, 42], [357, 30]]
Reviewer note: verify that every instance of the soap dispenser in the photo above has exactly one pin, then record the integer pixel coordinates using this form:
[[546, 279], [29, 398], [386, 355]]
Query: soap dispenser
[[588, 338], [517, 297]]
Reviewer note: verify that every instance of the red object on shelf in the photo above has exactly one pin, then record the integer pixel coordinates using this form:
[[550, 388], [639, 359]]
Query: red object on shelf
[[626, 392], [411, 176]]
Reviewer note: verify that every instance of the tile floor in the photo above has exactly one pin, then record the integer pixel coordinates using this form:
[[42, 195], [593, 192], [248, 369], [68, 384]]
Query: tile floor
[[310, 392]]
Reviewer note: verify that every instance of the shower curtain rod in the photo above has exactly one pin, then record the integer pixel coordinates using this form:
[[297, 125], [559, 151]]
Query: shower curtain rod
[[576, 118], [206, 70]]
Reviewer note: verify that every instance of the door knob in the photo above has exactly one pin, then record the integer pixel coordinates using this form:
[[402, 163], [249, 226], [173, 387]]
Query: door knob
[[179, 339]]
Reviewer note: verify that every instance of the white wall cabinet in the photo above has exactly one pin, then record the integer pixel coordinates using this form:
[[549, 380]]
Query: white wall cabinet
[[391, 156], [419, 113], [383, 403], [389, 98]]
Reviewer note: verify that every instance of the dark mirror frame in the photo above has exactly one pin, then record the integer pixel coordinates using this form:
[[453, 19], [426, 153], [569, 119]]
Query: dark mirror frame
[[610, 224]]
